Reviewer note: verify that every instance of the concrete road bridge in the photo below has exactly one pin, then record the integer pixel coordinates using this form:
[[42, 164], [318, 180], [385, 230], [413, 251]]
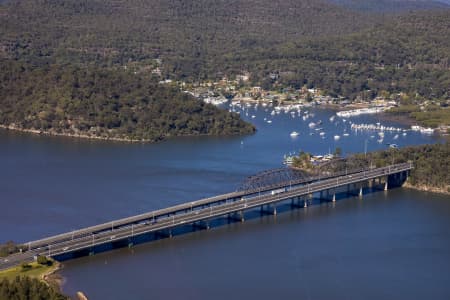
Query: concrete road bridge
[[298, 188]]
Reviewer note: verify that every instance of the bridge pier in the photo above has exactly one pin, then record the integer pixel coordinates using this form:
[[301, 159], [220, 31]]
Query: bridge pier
[[354, 190], [379, 184], [163, 233], [324, 196], [201, 225], [237, 216], [327, 197], [321, 197], [396, 180], [297, 202], [269, 211]]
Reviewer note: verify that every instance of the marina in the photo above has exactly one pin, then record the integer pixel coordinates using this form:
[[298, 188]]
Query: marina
[[309, 121]]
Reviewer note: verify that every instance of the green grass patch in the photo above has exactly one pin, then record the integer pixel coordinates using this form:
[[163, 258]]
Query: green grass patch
[[404, 109], [34, 270], [433, 118]]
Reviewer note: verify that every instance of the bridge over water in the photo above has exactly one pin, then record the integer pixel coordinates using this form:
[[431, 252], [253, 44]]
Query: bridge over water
[[296, 188]]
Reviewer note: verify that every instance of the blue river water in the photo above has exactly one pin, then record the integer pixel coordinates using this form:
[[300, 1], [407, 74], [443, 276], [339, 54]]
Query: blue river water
[[387, 245]]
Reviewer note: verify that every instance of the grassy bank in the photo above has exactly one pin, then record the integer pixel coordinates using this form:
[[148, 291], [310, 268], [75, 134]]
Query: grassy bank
[[33, 270]]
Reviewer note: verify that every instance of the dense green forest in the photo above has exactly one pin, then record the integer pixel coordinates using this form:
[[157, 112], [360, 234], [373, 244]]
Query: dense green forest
[[24, 288], [407, 55], [180, 32], [345, 52], [54, 53], [431, 163], [111, 103]]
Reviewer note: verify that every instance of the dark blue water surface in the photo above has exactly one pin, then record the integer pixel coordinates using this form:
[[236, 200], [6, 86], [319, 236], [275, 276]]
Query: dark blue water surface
[[393, 245]]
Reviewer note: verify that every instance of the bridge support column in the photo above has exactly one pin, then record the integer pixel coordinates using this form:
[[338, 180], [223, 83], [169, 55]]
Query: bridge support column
[[334, 198], [164, 233], [268, 210], [296, 202], [262, 211], [201, 225], [237, 216], [354, 190], [305, 203], [241, 214], [386, 185]]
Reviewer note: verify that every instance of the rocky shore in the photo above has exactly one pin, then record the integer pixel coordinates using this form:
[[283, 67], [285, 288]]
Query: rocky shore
[[425, 188]]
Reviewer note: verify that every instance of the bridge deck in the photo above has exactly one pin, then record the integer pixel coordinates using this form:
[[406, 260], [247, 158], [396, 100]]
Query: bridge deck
[[187, 213]]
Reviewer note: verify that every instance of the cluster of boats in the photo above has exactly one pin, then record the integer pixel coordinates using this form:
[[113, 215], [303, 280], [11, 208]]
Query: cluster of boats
[[376, 127], [361, 111], [293, 109], [422, 129], [379, 127]]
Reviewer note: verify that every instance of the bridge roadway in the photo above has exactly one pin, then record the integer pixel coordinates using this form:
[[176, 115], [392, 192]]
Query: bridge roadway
[[186, 213]]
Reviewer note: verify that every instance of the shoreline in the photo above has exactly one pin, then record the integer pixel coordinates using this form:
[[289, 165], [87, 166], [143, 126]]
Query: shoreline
[[70, 135], [109, 139], [52, 279], [424, 188], [56, 281]]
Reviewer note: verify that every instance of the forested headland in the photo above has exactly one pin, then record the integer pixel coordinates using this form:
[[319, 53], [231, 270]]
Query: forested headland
[[431, 164], [112, 104]]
